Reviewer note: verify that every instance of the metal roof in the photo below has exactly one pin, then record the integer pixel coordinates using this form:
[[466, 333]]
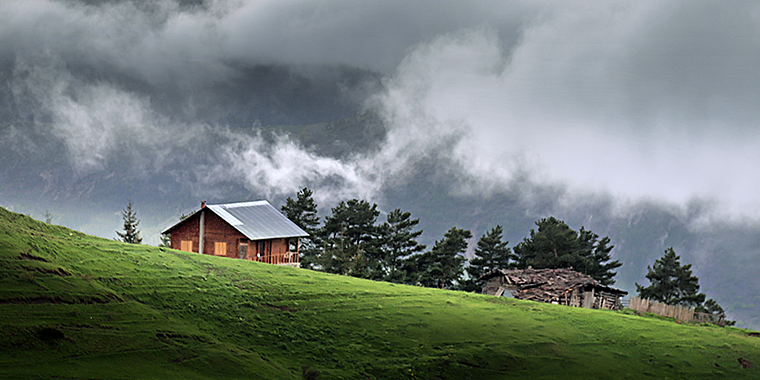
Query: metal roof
[[256, 220]]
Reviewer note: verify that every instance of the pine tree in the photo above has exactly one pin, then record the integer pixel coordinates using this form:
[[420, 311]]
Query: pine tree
[[131, 234], [553, 245], [340, 256], [671, 282], [491, 253], [597, 255], [443, 265], [711, 307], [303, 212], [556, 245], [345, 236], [354, 218], [397, 240]]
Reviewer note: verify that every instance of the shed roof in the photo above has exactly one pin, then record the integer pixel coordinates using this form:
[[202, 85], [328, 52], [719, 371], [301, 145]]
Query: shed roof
[[256, 220]]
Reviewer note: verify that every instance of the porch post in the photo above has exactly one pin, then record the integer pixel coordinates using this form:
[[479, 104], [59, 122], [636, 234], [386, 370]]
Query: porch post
[[201, 233]]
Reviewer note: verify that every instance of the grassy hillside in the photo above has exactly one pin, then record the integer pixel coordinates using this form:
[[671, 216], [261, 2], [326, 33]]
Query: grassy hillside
[[74, 306]]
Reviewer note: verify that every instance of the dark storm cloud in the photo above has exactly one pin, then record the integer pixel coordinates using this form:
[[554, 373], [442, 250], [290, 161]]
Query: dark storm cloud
[[641, 99], [369, 34], [168, 41]]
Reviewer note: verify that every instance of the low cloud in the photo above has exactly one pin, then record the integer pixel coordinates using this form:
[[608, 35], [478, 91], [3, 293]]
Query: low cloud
[[278, 166]]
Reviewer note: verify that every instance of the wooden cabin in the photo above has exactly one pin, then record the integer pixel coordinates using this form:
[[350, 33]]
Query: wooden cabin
[[557, 286], [253, 231]]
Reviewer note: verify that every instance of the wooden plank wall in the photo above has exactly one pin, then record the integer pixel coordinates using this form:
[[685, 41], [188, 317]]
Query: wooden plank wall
[[646, 305], [680, 313]]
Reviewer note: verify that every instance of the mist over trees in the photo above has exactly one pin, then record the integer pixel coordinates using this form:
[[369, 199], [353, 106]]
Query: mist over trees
[[77, 102]]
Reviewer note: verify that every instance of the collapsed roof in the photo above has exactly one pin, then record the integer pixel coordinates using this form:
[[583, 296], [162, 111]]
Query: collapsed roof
[[547, 285]]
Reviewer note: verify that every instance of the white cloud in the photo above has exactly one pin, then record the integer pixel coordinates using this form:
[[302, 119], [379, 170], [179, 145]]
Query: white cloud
[[280, 167], [571, 104]]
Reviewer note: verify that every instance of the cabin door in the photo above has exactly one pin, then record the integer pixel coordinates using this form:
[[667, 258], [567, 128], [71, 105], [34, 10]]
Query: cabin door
[[265, 251], [243, 249]]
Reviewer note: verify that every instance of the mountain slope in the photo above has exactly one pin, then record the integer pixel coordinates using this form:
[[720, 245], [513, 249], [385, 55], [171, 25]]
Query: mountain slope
[[76, 306]]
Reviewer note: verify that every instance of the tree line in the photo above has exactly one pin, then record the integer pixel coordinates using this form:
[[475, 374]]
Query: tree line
[[352, 242]]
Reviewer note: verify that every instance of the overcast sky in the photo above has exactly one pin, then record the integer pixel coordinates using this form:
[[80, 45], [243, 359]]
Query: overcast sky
[[641, 99]]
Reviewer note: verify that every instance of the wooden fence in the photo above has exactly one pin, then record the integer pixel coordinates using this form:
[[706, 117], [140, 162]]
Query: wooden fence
[[681, 313]]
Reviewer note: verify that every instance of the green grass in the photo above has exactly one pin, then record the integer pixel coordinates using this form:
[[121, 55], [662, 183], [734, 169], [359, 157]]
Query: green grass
[[74, 306]]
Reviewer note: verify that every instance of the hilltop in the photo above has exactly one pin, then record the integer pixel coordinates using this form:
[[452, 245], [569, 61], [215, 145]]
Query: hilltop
[[80, 307]]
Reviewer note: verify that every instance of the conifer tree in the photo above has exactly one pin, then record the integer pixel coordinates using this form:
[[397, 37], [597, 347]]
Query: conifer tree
[[671, 283], [345, 237], [396, 239], [711, 307], [491, 253], [597, 254], [131, 234], [303, 212], [555, 245], [443, 265]]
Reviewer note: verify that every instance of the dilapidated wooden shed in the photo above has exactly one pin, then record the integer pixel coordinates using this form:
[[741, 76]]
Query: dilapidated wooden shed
[[253, 231], [558, 286]]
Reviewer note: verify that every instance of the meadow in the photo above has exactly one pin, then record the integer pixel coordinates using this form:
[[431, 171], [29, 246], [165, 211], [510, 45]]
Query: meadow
[[73, 306]]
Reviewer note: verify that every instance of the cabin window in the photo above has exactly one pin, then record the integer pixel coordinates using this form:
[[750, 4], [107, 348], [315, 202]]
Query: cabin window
[[186, 245], [220, 249], [293, 246]]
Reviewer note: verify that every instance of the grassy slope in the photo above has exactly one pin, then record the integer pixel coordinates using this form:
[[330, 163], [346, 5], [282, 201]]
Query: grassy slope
[[75, 306]]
